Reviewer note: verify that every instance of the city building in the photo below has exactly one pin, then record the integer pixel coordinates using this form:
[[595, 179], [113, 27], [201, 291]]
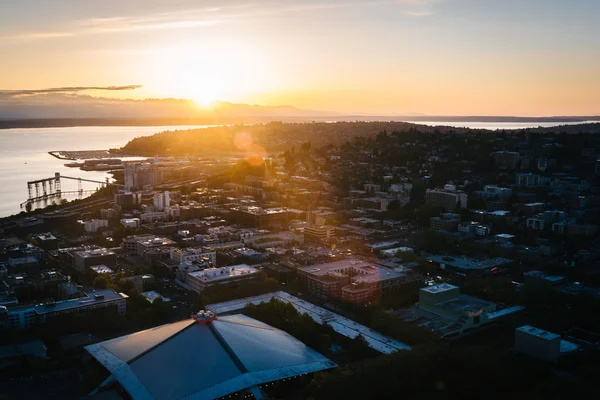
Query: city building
[[230, 357], [130, 242], [94, 225], [193, 254], [536, 224], [259, 217], [537, 343], [223, 277], [141, 175], [133, 223], [448, 198], [319, 234], [25, 316], [354, 280], [455, 312], [161, 201], [507, 159], [530, 180], [446, 222], [152, 243], [495, 192], [46, 241], [90, 257], [465, 265]]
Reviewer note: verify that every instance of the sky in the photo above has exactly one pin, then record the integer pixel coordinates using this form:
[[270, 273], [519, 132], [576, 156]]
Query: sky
[[387, 57]]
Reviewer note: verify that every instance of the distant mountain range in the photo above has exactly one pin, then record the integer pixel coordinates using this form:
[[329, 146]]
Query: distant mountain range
[[61, 110]]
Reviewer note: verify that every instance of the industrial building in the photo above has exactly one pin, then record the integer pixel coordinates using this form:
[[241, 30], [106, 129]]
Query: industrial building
[[234, 355]]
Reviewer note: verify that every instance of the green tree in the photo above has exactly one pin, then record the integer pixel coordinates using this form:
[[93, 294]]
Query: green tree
[[100, 282]]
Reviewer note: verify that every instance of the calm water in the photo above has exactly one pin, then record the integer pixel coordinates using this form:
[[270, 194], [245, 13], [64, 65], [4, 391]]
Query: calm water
[[498, 125], [24, 156], [24, 153]]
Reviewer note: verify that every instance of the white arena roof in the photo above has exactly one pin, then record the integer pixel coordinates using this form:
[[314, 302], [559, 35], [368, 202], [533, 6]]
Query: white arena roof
[[205, 361]]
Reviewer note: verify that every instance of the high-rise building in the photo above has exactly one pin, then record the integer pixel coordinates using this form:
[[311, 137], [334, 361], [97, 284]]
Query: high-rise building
[[141, 175]]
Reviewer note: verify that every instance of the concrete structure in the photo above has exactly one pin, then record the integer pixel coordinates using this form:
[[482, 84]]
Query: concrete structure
[[224, 276], [153, 243], [132, 223], [193, 254], [141, 175], [343, 326], [470, 265], [495, 192], [25, 316], [464, 312], [536, 224], [537, 343], [161, 201], [47, 241], [319, 234], [448, 198], [354, 280], [94, 224], [91, 257], [233, 355], [507, 159]]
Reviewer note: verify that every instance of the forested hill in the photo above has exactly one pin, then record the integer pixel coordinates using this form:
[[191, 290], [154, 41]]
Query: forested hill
[[279, 136]]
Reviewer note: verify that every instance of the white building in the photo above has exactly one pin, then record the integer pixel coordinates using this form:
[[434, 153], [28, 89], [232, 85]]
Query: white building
[[94, 224], [161, 201], [130, 223], [193, 255]]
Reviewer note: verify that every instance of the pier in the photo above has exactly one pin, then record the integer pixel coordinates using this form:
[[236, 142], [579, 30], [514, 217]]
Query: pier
[[45, 189]]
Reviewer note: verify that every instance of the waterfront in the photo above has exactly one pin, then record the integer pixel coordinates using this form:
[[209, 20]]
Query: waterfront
[[25, 153], [25, 156]]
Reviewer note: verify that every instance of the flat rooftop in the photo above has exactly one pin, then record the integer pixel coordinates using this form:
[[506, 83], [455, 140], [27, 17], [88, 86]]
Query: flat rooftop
[[531, 330], [442, 287], [95, 253], [466, 263], [364, 271], [109, 295], [216, 274]]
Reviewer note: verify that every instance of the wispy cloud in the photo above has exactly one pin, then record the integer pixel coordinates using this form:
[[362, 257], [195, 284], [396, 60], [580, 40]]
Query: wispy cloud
[[193, 17], [73, 89]]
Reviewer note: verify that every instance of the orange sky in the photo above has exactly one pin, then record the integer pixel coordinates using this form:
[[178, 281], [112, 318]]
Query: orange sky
[[442, 57]]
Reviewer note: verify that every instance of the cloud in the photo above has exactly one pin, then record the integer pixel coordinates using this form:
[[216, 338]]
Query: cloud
[[73, 89], [193, 17]]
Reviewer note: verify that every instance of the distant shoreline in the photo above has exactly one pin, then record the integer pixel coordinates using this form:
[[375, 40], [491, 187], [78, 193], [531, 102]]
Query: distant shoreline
[[80, 122]]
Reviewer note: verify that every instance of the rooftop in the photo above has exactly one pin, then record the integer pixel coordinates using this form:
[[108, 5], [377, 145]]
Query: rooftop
[[531, 330], [94, 252], [466, 263], [443, 287], [104, 296], [215, 274], [207, 361]]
